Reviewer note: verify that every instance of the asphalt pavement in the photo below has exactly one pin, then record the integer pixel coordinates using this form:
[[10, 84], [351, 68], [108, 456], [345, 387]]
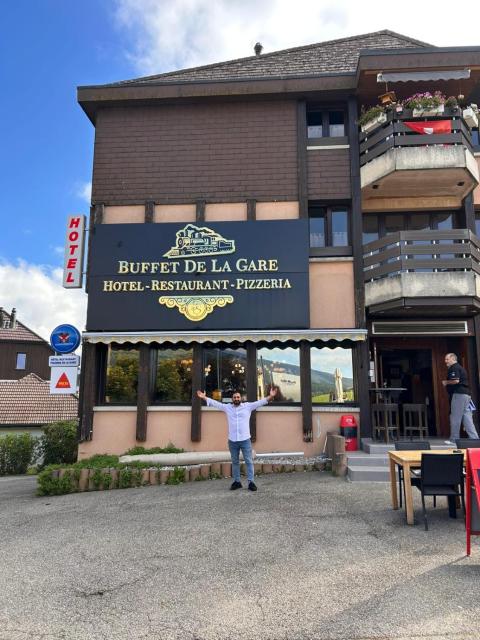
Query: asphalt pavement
[[307, 557]]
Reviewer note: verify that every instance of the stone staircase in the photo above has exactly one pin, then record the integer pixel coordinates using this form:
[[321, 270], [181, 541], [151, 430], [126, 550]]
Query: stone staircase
[[370, 464]]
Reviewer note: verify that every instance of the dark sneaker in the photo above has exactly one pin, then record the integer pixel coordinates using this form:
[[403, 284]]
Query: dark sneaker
[[235, 485], [252, 486]]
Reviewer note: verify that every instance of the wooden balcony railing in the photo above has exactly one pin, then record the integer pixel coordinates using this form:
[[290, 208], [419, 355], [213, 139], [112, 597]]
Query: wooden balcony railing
[[394, 134], [420, 251]]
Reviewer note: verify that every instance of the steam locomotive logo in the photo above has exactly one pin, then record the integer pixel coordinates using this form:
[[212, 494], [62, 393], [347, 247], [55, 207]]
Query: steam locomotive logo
[[193, 241]]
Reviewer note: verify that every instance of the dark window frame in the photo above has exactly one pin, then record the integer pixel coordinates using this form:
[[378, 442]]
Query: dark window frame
[[329, 250], [408, 215], [325, 111]]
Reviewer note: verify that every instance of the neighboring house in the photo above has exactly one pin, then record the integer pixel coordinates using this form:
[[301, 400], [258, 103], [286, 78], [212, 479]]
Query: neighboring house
[[22, 351], [27, 405], [245, 232]]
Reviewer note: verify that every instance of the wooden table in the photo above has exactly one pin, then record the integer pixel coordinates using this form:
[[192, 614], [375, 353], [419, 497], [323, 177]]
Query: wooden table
[[409, 460]]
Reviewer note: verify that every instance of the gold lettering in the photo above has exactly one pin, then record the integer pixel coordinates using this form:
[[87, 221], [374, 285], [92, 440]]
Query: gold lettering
[[122, 266]]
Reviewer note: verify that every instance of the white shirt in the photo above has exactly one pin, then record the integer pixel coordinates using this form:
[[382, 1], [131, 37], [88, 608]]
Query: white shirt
[[238, 417]]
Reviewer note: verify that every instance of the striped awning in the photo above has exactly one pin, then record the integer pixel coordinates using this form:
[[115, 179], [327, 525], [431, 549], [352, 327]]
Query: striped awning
[[147, 337]]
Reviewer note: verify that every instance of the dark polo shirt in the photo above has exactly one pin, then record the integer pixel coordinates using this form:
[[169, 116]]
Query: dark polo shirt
[[457, 372]]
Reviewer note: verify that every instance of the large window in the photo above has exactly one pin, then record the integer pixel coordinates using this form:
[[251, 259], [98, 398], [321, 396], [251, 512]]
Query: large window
[[225, 371], [329, 226], [377, 225], [279, 368], [122, 375], [324, 123], [173, 376], [331, 375]]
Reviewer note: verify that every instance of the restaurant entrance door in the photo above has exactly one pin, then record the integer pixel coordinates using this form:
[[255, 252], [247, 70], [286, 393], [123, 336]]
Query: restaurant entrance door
[[417, 365]]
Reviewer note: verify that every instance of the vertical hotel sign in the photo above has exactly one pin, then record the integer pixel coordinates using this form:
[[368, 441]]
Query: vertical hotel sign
[[74, 249]]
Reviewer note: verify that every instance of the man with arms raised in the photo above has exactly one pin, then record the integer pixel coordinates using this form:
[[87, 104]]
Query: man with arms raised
[[238, 417]]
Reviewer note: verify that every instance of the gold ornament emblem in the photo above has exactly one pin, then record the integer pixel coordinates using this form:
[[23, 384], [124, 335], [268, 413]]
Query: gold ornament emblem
[[195, 308]]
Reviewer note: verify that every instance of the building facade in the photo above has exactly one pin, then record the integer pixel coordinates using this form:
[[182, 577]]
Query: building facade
[[245, 233]]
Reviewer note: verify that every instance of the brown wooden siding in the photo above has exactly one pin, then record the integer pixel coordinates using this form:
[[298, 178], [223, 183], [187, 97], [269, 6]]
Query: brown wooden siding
[[328, 174], [37, 360], [216, 152]]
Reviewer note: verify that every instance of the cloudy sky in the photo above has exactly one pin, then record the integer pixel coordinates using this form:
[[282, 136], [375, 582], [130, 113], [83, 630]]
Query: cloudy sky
[[48, 47]]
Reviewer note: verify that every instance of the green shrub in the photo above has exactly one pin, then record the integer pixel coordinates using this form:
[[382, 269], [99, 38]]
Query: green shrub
[[177, 476], [140, 451], [59, 443], [125, 478], [49, 484], [100, 461], [17, 452]]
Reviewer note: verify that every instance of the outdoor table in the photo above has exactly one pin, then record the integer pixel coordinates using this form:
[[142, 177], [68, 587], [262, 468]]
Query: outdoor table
[[409, 460]]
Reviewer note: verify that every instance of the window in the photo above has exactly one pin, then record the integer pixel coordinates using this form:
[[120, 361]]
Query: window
[[122, 375], [377, 225], [279, 368], [225, 371], [475, 138], [21, 362], [329, 226], [173, 376], [331, 375], [325, 124]]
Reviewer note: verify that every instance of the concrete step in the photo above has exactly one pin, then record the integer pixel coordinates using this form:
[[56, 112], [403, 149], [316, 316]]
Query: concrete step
[[361, 459], [368, 474], [371, 446]]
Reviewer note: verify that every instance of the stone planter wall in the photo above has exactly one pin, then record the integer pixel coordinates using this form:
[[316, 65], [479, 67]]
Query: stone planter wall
[[103, 479]]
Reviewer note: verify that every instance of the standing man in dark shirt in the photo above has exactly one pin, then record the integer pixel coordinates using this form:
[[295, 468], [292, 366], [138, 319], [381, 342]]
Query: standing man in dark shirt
[[459, 392]]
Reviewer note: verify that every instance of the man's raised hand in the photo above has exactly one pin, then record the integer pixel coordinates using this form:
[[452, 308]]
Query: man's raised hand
[[273, 393], [201, 395]]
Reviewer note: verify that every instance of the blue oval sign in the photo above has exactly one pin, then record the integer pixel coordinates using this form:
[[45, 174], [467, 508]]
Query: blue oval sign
[[65, 338]]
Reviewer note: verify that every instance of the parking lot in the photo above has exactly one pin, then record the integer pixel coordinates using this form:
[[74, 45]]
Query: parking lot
[[307, 556]]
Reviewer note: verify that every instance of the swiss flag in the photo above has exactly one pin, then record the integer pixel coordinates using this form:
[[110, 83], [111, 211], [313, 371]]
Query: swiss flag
[[63, 382], [430, 126]]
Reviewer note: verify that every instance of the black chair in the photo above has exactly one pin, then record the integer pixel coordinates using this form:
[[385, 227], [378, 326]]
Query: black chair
[[408, 445], [467, 443], [442, 475]]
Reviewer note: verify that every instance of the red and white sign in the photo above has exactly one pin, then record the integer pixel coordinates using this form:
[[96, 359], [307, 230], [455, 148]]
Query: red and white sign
[[74, 248], [63, 380]]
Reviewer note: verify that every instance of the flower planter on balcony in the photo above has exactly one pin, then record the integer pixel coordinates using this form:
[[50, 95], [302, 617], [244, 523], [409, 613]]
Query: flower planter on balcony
[[426, 113], [373, 124], [470, 117]]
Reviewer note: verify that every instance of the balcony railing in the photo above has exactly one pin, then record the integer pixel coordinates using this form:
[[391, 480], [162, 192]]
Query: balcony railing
[[421, 251], [395, 134]]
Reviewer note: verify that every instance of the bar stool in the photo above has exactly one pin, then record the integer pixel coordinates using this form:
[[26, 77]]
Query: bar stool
[[415, 420], [385, 418]]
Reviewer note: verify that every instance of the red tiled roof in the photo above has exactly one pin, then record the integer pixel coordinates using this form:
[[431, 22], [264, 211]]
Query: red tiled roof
[[20, 332], [28, 402]]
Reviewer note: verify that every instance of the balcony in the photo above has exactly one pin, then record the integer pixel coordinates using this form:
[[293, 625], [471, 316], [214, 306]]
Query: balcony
[[429, 273], [398, 164]]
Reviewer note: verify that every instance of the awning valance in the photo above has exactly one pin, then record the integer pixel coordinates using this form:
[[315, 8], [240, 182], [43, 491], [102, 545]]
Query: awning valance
[[424, 76], [148, 337]]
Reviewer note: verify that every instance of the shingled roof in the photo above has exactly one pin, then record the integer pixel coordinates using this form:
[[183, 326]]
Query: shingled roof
[[11, 330], [28, 402], [333, 56]]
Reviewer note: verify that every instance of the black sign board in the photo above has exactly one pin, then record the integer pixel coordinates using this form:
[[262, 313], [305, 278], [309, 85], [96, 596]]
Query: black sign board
[[205, 276]]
